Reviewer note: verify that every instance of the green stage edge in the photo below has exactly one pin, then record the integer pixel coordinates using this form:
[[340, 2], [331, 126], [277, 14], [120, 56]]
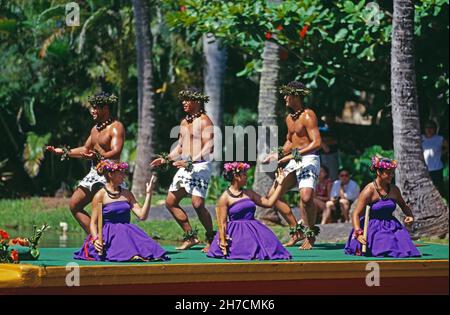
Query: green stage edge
[[320, 253]]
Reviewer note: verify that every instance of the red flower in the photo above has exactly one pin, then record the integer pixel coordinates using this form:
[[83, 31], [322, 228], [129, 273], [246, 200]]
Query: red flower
[[23, 242], [268, 35], [183, 8], [15, 255], [14, 241], [279, 27], [304, 31], [4, 235]]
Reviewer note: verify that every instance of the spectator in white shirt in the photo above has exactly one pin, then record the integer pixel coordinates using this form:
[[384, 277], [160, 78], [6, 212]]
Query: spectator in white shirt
[[343, 193], [434, 146]]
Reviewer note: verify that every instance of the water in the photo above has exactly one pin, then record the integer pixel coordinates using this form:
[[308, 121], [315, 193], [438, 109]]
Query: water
[[59, 239]]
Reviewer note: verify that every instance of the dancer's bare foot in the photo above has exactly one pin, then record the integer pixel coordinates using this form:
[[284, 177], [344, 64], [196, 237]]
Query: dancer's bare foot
[[308, 243], [188, 244], [206, 248], [295, 238]]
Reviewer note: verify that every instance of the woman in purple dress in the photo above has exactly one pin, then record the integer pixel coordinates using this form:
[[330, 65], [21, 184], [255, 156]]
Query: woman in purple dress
[[122, 241], [386, 236], [241, 236]]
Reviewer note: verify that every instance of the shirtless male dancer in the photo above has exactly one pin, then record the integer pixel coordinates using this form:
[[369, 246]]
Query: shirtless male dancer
[[192, 157], [105, 142], [301, 163]]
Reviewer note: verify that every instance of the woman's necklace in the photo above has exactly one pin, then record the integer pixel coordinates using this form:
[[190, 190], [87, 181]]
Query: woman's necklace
[[113, 195], [382, 196], [233, 195]]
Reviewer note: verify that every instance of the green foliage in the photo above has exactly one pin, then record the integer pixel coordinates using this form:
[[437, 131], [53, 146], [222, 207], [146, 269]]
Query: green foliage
[[359, 166], [33, 153]]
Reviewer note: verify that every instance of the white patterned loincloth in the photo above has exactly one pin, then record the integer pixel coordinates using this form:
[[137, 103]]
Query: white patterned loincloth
[[196, 182], [306, 172]]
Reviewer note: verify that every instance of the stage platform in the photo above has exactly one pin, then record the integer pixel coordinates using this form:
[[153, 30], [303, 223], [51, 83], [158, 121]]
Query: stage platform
[[323, 270]]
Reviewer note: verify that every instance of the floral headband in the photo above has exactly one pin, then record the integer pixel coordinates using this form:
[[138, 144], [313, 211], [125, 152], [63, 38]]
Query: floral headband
[[189, 95], [289, 90], [110, 166], [235, 168], [383, 163], [102, 99]]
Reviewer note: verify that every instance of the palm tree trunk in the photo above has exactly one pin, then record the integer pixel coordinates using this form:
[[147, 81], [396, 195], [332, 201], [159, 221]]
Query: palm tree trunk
[[146, 121], [213, 76], [429, 209], [266, 118]]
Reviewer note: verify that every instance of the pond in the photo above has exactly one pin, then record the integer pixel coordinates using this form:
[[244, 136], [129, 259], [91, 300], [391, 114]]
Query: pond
[[58, 239]]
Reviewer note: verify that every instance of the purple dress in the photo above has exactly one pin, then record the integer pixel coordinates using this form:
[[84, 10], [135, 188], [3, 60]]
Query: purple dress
[[122, 240], [386, 236], [250, 239]]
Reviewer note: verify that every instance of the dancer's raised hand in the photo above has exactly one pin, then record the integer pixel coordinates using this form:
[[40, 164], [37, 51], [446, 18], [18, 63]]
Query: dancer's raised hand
[[409, 220], [151, 184], [157, 162], [280, 176], [52, 149], [270, 157], [89, 155]]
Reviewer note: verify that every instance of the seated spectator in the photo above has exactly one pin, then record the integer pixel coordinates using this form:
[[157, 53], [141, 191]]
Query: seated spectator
[[434, 146], [323, 190], [343, 193]]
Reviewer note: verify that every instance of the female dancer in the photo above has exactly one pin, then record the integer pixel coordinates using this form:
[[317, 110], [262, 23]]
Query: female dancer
[[122, 241], [243, 237], [386, 236]]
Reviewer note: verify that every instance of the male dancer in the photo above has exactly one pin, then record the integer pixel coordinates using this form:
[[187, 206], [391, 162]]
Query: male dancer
[[301, 163], [192, 157], [105, 142]]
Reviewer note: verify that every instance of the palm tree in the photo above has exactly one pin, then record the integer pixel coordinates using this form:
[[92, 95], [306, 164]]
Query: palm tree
[[412, 176], [267, 117], [146, 121], [214, 74]]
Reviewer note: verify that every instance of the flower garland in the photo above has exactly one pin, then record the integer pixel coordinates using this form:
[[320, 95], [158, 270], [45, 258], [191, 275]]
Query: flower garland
[[102, 99], [188, 95], [381, 163], [230, 169], [288, 90], [66, 151], [110, 166]]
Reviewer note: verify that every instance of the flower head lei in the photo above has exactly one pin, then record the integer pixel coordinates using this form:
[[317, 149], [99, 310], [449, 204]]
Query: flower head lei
[[295, 88], [230, 169], [193, 94], [102, 99], [381, 163], [110, 166]]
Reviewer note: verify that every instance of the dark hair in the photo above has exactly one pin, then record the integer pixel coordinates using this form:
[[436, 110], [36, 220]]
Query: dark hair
[[296, 85], [430, 124], [344, 170], [326, 169]]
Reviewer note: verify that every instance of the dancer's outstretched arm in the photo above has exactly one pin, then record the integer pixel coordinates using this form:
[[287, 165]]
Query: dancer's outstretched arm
[[268, 202], [403, 205], [96, 209], [222, 213], [142, 212], [364, 199], [77, 153]]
